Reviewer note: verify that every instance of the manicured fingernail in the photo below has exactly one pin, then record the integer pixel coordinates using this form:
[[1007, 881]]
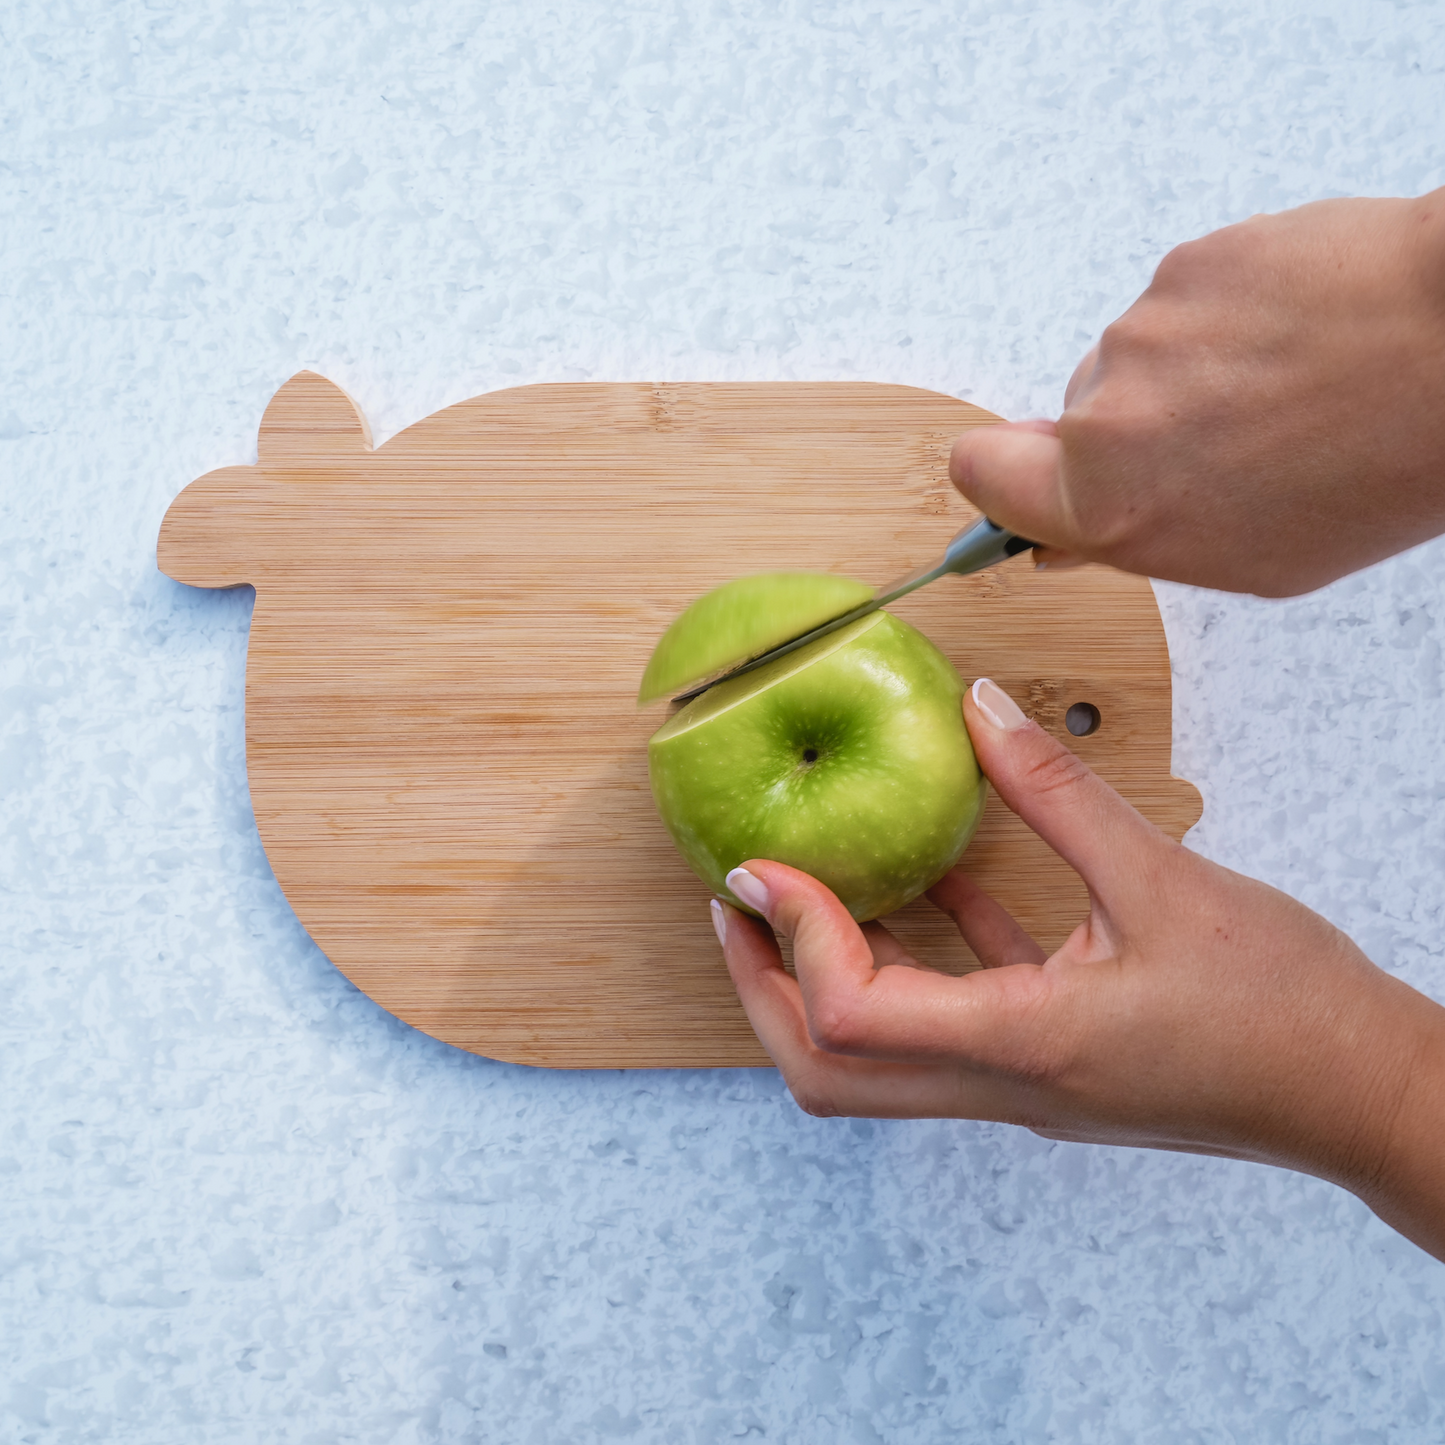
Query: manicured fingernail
[[749, 889], [995, 704], [719, 923]]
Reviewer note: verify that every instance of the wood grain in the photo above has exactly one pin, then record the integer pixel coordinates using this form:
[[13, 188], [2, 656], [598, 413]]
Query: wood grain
[[446, 763]]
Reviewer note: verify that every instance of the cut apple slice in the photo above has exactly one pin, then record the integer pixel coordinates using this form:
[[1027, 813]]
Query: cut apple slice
[[742, 620]]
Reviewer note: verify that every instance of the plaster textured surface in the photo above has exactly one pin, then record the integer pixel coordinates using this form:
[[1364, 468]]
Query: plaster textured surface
[[238, 1201]]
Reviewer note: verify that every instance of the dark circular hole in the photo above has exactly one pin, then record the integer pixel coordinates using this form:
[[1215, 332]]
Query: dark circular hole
[[810, 755], [1082, 719]]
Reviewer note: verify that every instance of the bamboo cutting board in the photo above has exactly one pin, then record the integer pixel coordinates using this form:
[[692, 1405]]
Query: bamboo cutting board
[[446, 762]]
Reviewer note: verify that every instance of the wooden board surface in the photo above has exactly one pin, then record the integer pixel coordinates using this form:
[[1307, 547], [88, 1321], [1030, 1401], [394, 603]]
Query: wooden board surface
[[446, 762]]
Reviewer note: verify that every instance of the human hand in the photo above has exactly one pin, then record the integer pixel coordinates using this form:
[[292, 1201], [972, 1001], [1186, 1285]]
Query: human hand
[[1193, 1009], [1268, 416]]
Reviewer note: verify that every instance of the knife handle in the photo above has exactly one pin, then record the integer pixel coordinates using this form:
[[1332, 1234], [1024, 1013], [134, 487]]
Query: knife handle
[[981, 545]]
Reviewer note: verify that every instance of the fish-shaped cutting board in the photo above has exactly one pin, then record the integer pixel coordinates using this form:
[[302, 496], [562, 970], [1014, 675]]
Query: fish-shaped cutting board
[[446, 759]]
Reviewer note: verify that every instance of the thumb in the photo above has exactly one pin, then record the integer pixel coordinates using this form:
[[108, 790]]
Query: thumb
[[1013, 474], [851, 1005], [1105, 840]]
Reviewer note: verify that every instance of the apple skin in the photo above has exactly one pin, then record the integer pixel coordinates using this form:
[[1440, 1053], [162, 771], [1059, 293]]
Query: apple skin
[[741, 620], [847, 759]]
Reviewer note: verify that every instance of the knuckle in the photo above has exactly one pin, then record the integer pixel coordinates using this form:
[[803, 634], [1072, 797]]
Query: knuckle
[[1121, 336], [835, 1024], [1060, 771], [1132, 349], [813, 1098], [1129, 353], [1177, 266]]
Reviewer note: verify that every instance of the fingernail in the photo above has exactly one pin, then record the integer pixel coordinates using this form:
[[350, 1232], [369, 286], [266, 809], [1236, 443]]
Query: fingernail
[[1040, 566], [719, 923], [995, 704], [749, 889]]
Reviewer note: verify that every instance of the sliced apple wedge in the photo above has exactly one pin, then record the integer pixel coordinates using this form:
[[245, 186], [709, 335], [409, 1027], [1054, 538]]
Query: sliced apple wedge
[[742, 620]]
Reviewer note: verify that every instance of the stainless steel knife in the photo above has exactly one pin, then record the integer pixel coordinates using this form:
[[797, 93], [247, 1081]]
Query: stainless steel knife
[[976, 547]]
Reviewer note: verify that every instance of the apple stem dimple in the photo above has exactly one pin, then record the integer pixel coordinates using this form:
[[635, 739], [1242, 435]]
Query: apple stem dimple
[[810, 755]]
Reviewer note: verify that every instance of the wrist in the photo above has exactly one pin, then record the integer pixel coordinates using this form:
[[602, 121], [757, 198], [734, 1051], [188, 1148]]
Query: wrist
[[1397, 1158]]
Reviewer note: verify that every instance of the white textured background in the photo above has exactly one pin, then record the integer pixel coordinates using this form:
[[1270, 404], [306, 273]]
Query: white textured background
[[237, 1201]]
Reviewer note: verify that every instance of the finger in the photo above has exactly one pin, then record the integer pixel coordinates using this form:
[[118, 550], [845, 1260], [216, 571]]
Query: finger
[[886, 949], [1083, 375], [988, 928], [890, 1012], [1114, 848], [770, 998], [1056, 559], [1014, 475], [829, 1084]]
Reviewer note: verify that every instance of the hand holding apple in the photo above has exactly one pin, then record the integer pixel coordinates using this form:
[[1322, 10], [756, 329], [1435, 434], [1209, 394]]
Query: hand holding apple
[[1193, 1009]]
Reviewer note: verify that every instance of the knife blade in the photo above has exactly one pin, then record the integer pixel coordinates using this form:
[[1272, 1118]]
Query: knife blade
[[976, 547]]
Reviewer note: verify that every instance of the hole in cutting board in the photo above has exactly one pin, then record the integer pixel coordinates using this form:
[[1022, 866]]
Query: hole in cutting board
[[1082, 719]]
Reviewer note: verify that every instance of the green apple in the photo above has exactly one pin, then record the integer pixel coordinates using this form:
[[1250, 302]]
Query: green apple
[[742, 620], [847, 759]]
